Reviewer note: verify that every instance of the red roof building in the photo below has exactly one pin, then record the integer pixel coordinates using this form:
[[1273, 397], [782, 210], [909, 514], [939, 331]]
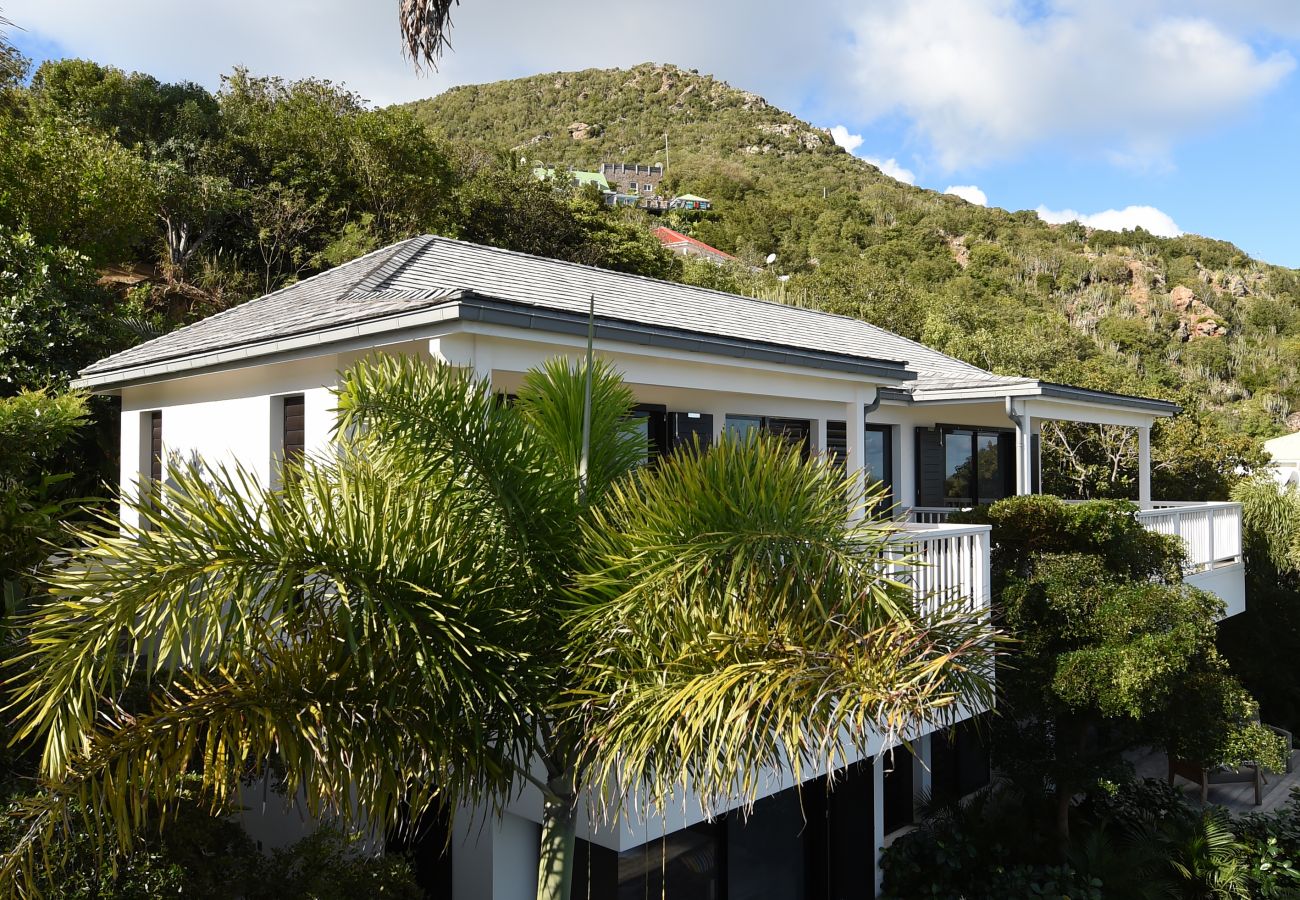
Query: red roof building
[[686, 245]]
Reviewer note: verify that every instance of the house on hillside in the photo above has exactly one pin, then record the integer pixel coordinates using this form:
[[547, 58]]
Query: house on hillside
[[1285, 454], [579, 178], [685, 245], [633, 178], [253, 384], [690, 201]]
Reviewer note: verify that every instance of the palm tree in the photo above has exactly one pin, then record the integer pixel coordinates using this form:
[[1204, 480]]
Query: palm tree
[[425, 25], [460, 589]]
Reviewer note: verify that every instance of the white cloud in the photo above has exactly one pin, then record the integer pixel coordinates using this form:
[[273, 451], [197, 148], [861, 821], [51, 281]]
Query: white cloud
[[893, 168], [968, 192], [849, 142], [1153, 220], [984, 79], [357, 42]]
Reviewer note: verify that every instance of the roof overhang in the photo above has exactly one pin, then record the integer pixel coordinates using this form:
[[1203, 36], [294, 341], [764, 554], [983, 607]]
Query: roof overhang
[[467, 306], [1032, 388]]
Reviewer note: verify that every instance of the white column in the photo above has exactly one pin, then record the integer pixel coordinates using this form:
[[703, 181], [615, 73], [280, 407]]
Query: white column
[[878, 814], [1144, 466], [856, 436], [817, 439], [1025, 464]]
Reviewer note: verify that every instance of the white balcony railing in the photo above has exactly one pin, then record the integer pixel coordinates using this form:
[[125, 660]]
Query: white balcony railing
[[948, 562], [1211, 532]]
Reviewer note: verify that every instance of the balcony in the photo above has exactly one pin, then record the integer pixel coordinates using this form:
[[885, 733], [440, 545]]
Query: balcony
[[1210, 532], [948, 562]]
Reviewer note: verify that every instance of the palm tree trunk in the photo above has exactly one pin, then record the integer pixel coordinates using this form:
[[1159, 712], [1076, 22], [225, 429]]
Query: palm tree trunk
[[559, 834]]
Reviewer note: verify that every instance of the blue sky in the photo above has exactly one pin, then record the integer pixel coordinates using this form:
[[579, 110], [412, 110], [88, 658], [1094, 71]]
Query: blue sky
[[1177, 115]]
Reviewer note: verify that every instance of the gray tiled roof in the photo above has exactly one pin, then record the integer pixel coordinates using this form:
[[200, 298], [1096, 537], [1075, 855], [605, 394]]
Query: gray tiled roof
[[429, 271], [424, 271]]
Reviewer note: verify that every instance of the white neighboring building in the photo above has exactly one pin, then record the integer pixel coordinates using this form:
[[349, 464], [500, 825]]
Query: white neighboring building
[[1285, 451], [253, 382]]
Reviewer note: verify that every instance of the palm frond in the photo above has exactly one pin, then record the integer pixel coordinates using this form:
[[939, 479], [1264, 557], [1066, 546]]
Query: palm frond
[[734, 627], [426, 25]]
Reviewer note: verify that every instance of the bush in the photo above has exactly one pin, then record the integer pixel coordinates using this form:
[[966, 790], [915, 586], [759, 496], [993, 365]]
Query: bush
[[1038, 524]]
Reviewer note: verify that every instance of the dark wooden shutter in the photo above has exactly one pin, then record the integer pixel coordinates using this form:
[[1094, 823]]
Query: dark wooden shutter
[[1035, 448], [687, 430], [929, 467], [837, 443], [294, 440], [793, 431]]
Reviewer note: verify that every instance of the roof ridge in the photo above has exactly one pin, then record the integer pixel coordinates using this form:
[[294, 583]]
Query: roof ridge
[[756, 300]]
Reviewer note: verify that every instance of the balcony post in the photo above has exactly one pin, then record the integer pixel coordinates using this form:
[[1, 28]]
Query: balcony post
[[878, 815], [855, 424], [1144, 466]]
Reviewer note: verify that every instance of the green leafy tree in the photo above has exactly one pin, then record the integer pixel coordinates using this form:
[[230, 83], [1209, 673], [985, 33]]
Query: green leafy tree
[[53, 317], [462, 588], [1111, 651], [35, 430]]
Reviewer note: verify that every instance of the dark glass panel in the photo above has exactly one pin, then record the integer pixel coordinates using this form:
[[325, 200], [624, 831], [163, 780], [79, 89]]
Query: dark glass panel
[[958, 464]]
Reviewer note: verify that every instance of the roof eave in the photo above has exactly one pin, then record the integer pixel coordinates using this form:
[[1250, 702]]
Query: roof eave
[[472, 307], [1033, 388]]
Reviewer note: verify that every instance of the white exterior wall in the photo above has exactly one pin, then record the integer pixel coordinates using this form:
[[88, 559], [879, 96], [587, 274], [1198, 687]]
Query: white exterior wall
[[225, 418]]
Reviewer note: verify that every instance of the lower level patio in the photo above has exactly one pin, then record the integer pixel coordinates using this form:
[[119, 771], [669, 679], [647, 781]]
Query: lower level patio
[[1238, 797]]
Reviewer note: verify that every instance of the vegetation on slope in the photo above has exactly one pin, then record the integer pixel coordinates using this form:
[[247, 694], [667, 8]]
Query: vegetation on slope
[[1188, 318]]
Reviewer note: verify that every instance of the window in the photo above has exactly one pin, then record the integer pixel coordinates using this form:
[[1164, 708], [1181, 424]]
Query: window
[[964, 466], [632, 188], [293, 432], [150, 463], [878, 458], [651, 431], [794, 431]]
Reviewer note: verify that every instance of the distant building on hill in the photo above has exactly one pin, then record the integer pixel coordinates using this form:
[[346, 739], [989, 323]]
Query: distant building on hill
[[579, 178], [685, 245], [1285, 452], [634, 179], [690, 201]]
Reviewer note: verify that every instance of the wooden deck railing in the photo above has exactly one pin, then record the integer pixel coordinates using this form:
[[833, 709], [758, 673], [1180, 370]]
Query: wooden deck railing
[[949, 562], [1211, 531]]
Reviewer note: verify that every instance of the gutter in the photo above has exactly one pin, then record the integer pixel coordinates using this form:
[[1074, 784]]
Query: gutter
[[467, 306]]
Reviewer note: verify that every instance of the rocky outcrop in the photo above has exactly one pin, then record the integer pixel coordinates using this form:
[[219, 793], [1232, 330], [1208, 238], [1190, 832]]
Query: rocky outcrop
[[1195, 317]]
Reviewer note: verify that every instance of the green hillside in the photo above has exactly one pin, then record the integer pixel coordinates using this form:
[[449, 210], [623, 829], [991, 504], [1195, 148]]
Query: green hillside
[[1189, 318]]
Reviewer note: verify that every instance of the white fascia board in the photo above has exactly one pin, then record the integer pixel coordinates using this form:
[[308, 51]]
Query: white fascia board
[[351, 336], [412, 326], [648, 366], [1062, 397]]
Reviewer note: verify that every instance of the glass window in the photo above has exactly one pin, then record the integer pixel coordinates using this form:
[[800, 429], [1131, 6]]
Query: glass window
[[958, 449], [684, 864], [742, 426], [988, 462], [765, 855], [641, 435]]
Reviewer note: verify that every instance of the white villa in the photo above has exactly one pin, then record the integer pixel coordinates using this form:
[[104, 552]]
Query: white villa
[[1285, 454], [253, 382]]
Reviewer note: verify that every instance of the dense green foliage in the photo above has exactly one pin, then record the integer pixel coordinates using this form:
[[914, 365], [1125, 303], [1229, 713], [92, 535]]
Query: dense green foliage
[[1138, 840], [1263, 643], [1110, 651]]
